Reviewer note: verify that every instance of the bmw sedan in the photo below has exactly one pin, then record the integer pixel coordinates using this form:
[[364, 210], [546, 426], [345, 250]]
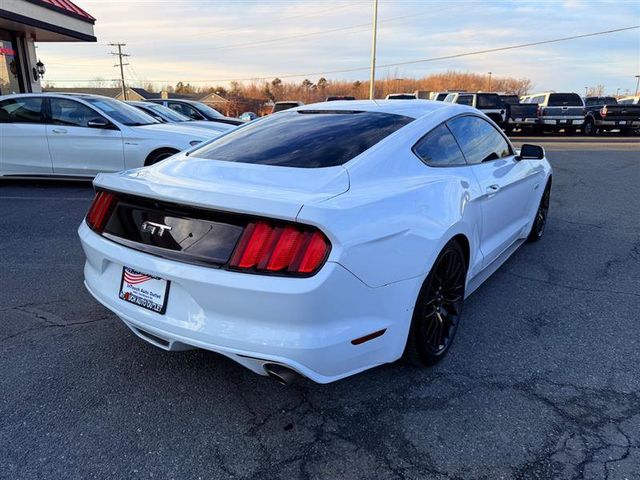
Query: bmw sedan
[[196, 111], [73, 135], [319, 241], [167, 115]]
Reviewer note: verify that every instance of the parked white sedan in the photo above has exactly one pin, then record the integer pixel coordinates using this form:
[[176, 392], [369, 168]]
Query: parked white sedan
[[320, 241], [74, 135]]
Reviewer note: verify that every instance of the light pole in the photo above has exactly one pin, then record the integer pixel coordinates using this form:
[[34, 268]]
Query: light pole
[[372, 77], [489, 88], [586, 89], [617, 92], [637, 84]]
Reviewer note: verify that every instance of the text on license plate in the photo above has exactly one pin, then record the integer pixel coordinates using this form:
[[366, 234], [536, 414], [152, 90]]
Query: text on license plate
[[144, 290]]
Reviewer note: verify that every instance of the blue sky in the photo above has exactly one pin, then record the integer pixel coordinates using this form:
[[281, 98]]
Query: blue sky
[[203, 41]]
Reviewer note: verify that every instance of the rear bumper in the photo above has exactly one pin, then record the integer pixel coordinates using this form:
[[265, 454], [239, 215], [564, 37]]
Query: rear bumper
[[618, 123], [562, 121], [306, 324], [523, 121]]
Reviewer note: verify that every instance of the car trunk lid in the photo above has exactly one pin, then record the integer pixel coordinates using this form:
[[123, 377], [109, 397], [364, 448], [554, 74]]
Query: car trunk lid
[[262, 190]]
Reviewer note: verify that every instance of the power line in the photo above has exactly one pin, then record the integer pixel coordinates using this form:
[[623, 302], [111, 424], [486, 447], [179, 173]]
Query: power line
[[361, 26], [396, 64]]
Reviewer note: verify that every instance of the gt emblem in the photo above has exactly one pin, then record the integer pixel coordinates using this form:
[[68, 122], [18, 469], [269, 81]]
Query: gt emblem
[[152, 228]]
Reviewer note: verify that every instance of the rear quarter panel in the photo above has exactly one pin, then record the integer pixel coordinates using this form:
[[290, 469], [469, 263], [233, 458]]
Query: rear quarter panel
[[398, 214]]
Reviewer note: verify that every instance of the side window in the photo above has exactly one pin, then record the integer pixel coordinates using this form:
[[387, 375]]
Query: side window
[[438, 148], [539, 99], [71, 113], [465, 100], [478, 139], [186, 110], [21, 110], [449, 98]]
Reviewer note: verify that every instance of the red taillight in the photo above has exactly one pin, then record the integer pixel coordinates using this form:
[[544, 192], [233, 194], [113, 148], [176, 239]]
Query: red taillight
[[286, 249], [539, 112], [603, 112], [100, 210]]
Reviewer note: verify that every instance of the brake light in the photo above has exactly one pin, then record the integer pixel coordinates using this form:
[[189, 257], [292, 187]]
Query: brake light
[[603, 112], [289, 249], [539, 112], [100, 211]]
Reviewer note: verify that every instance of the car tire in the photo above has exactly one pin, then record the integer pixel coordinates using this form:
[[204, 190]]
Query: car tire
[[542, 213], [589, 128], [159, 155], [437, 312]]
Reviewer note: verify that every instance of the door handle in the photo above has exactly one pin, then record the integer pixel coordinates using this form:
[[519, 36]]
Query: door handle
[[59, 130], [492, 189]]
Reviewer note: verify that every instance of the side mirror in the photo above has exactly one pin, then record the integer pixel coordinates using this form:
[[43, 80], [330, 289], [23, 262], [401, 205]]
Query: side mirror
[[531, 152], [98, 123]]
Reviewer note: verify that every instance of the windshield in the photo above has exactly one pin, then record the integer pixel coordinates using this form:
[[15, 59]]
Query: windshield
[[166, 113], [121, 112], [208, 111], [304, 139]]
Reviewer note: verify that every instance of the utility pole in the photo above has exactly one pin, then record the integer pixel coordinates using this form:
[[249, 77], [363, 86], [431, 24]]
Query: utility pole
[[489, 89], [586, 92], [120, 55], [372, 78], [637, 84]]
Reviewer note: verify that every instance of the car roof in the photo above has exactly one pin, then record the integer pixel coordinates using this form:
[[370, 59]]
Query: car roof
[[178, 100], [56, 94], [408, 108]]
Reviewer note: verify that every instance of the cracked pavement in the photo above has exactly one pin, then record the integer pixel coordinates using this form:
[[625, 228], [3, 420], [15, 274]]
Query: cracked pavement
[[542, 382]]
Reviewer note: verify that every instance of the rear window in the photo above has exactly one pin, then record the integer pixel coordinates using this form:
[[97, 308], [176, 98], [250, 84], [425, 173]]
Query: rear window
[[279, 107], [564, 100], [589, 101], [307, 139], [511, 99], [488, 101]]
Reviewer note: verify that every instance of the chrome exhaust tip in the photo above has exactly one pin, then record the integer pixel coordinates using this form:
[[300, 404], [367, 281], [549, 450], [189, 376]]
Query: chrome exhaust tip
[[281, 374]]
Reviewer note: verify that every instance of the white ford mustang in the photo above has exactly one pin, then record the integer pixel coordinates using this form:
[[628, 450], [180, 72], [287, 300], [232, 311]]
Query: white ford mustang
[[320, 241]]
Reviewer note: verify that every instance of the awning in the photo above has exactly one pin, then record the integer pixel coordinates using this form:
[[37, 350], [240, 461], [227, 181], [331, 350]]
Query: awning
[[47, 20]]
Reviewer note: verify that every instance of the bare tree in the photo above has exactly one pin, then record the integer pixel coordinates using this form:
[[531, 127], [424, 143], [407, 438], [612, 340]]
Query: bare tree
[[597, 91]]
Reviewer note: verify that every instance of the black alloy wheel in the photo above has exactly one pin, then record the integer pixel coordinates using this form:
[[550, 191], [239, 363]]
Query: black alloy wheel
[[159, 155], [436, 315], [540, 222]]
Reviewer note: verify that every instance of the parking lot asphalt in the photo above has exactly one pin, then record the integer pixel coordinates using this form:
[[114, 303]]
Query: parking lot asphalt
[[543, 380]]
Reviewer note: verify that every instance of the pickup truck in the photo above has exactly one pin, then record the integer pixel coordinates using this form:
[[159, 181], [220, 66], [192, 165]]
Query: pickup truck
[[602, 114], [558, 111], [519, 115], [489, 103]]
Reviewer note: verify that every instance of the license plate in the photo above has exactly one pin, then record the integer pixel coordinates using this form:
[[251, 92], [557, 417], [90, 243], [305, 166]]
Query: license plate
[[623, 122], [529, 120], [144, 290], [562, 121]]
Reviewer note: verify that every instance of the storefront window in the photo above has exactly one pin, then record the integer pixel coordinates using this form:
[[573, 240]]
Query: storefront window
[[9, 68]]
